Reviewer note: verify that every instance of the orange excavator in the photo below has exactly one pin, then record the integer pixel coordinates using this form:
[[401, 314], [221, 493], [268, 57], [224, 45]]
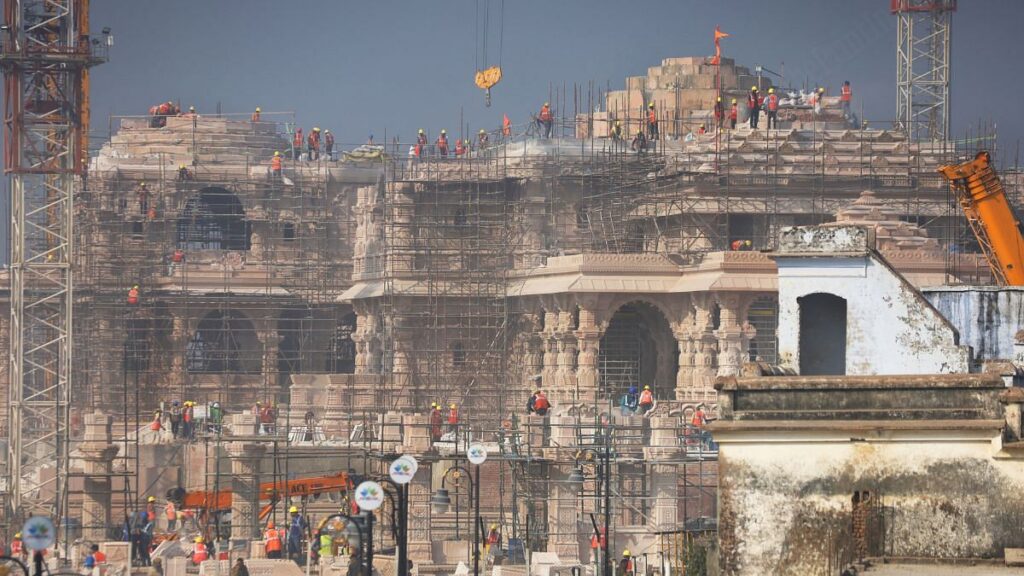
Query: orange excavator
[[988, 211], [207, 502]]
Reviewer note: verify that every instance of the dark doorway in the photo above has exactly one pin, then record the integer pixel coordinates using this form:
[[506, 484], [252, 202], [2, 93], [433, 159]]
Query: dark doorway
[[213, 219], [822, 335]]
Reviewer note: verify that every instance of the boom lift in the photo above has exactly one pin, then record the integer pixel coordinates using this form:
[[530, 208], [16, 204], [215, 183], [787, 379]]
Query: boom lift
[[990, 216]]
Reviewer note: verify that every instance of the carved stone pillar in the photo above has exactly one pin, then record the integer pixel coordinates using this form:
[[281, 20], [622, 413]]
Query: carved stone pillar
[[734, 333], [563, 516], [588, 339], [245, 481], [98, 452], [419, 516], [402, 211], [664, 486], [705, 351], [401, 370], [687, 359], [550, 358], [179, 346], [565, 379], [271, 341]]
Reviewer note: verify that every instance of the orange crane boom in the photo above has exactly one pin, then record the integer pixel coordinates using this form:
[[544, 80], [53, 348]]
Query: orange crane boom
[[220, 500], [990, 216]]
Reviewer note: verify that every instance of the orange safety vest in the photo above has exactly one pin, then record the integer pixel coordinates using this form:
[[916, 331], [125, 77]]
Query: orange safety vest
[[178, 256], [453, 416], [16, 547], [733, 112], [541, 402], [199, 553], [170, 512], [506, 126], [698, 418], [646, 398], [99, 557], [847, 93], [133, 296], [273, 540], [773, 102], [545, 114], [255, 116], [652, 117], [298, 138], [155, 424], [275, 163]]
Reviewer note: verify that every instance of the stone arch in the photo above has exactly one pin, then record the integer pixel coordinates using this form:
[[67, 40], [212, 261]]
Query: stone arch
[[214, 219], [822, 334], [224, 341], [638, 348]]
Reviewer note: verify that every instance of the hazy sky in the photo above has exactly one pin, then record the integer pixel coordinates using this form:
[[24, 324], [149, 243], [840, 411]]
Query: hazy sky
[[387, 65]]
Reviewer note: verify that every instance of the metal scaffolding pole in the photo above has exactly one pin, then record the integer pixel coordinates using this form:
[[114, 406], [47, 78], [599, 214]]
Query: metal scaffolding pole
[[923, 34]]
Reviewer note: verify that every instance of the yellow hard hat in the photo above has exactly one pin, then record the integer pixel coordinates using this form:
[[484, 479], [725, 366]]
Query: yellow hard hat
[[546, 104], [258, 109], [494, 526], [719, 99], [316, 129], [135, 286], [191, 108], [276, 153], [452, 406], [754, 88], [771, 90], [421, 130], [18, 535], [651, 105], [618, 122], [151, 499], [180, 166], [482, 131], [294, 510], [625, 552], [443, 131], [821, 89], [142, 184], [648, 387], [733, 100], [198, 539]]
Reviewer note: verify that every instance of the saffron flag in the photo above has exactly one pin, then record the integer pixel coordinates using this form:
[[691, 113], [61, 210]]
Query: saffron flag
[[717, 60]]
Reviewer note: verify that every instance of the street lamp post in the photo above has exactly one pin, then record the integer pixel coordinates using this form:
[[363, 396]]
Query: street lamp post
[[440, 501], [402, 528], [363, 538]]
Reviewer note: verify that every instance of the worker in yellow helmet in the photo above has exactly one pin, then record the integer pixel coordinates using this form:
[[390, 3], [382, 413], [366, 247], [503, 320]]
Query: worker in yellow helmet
[[719, 113], [626, 564], [453, 417], [199, 553], [754, 101], [297, 528], [256, 115], [772, 105]]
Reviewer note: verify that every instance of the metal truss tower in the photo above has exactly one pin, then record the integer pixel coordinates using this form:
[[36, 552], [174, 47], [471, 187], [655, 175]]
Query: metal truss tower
[[922, 66], [45, 54]]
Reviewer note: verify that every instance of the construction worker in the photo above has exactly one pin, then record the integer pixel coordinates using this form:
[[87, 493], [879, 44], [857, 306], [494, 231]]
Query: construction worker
[[255, 115], [191, 112], [175, 418], [754, 104], [150, 509], [142, 193], [329, 144], [481, 139], [453, 418], [133, 295], [734, 114], [816, 99], [155, 425], [326, 543], [188, 421], [95, 557], [506, 127], [699, 419], [215, 418], [616, 131], [460, 147], [652, 122], [702, 130], [629, 402], [719, 113], [845, 97], [493, 538], [639, 143], [741, 245], [184, 174], [171, 514], [435, 421], [538, 403], [626, 564], [646, 403], [239, 569], [442, 143], [199, 553], [17, 547], [313, 145], [773, 109], [297, 143], [296, 528], [272, 541], [276, 165], [546, 119]]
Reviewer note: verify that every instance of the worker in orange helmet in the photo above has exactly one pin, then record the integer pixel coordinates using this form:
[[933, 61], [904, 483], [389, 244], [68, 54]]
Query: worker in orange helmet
[[272, 543], [546, 119], [133, 295]]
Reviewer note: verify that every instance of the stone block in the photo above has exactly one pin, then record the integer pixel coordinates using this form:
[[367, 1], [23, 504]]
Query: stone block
[[176, 566], [170, 549], [266, 567], [118, 553], [1014, 556], [256, 550], [217, 568]]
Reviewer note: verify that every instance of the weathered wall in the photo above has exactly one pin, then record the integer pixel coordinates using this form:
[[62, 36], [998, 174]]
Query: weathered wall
[[891, 328], [784, 506], [987, 318]]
